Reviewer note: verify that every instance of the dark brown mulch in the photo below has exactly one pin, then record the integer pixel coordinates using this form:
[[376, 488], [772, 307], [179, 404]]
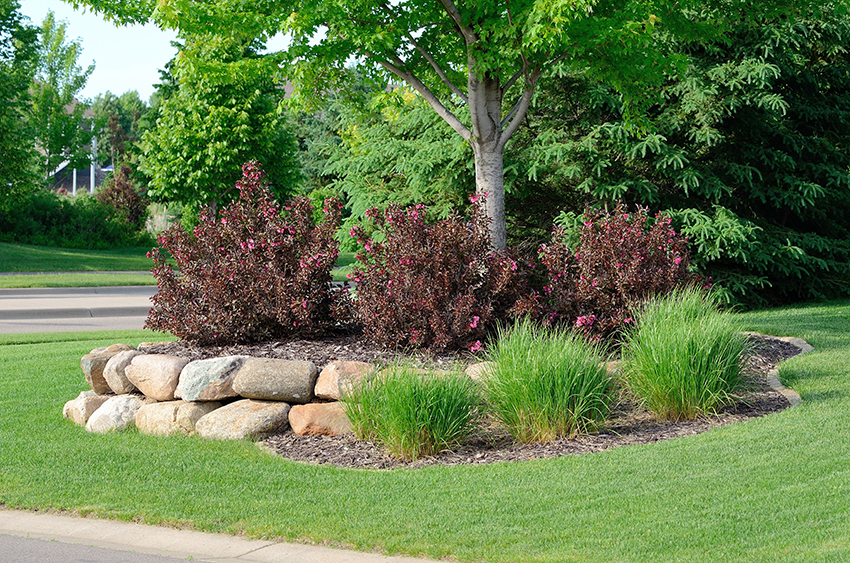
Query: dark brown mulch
[[628, 424]]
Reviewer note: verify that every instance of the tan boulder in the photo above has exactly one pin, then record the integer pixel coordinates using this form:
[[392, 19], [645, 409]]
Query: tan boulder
[[159, 419], [116, 414], [346, 373], [79, 410], [245, 419], [94, 363], [276, 380], [190, 413], [209, 380], [156, 375], [319, 419], [114, 372]]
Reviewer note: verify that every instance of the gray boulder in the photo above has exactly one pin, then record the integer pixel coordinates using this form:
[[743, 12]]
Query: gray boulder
[[209, 380], [116, 414], [114, 372], [276, 380], [245, 419]]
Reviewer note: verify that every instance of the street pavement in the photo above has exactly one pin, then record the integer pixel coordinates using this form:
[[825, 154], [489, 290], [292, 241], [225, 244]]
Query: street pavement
[[74, 308]]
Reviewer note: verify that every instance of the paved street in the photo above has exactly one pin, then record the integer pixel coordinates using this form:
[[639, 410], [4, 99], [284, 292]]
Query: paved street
[[74, 308]]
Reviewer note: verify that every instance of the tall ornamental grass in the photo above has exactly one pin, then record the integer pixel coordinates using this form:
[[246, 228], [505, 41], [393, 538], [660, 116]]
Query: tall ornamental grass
[[683, 359], [412, 412], [547, 383]]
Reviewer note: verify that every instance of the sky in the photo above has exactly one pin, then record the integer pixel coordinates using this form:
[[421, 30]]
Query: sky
[[125, 58]]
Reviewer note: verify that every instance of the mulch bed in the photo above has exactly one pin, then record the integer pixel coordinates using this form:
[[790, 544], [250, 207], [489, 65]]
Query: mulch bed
[[628, 424]]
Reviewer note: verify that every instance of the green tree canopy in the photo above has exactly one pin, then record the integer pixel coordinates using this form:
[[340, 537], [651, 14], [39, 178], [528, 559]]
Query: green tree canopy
[[62, 131], [476, 63], [18, 60], [223, 112], [117, 121]]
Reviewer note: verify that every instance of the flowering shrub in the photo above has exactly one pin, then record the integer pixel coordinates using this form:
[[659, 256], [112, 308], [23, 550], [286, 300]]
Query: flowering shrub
[[622, 260], [431, 286], [255, 272], [121, 194]]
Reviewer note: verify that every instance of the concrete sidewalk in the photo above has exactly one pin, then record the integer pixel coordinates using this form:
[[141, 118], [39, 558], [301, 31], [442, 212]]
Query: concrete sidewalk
[[74, 308], [167, 542]]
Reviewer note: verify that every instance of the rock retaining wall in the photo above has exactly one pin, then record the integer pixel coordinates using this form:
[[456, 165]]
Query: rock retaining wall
[[226, 398]]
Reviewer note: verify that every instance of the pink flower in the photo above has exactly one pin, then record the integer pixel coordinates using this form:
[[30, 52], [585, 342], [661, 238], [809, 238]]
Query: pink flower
[[476, 347], [474, 323], [678, 260]]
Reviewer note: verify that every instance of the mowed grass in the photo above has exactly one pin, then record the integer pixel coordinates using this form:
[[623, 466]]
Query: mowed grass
[[27, 258], [774, 489]]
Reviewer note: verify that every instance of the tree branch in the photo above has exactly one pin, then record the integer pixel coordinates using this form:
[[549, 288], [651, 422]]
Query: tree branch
[[425, 92], [517, 113], [467, 32]]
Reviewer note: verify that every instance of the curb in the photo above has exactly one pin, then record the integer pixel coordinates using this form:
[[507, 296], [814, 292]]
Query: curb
[[169, 542], [773, 375], [81, 313]]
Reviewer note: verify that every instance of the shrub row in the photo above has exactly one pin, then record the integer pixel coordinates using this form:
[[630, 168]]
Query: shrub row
[[47, 219], [682, 360], [259, 271]]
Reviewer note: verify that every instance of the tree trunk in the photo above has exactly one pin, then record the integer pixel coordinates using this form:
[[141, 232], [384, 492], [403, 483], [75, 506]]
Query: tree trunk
[[490, 183]]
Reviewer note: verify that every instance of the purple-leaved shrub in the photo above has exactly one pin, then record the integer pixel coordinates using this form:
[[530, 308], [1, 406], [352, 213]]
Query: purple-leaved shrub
[[622, 260], [257, 271], [431, 286]]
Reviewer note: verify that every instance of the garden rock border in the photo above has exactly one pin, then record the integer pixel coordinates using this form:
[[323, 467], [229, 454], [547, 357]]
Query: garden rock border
[[302, 397]]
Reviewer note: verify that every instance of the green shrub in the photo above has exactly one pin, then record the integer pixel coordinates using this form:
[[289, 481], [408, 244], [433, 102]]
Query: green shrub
[[412, 412], [48, 219], [683, 359], [547, 383]]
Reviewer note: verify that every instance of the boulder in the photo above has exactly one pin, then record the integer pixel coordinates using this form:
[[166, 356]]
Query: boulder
[[114, 372], [245, 419], [159, 419], [156, 375], [328, 382], [116, 414], [79, 410], [209, 380], [276, 380], [319, 419], [479, 371], [189, 414], [95, 361]]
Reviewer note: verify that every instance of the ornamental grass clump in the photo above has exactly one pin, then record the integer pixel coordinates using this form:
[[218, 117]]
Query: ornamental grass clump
[[684, 357], [255, 271], [412, 412], [547, 383]]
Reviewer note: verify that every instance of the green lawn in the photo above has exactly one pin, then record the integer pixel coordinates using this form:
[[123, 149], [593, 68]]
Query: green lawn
[[774, 489], [26, 258]]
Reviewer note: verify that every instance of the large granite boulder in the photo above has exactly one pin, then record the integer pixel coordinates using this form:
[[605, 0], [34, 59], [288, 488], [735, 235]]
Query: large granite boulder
[[319, 419], [156, 375], [276, 380], [337, 376], [79, 410], [245, 419], [189, 414], [159, 419], [94, 363], [116, 414], [209, 380], [114, 372]]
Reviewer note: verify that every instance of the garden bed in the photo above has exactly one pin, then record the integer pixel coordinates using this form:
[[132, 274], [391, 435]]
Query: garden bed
[[628, 424]]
